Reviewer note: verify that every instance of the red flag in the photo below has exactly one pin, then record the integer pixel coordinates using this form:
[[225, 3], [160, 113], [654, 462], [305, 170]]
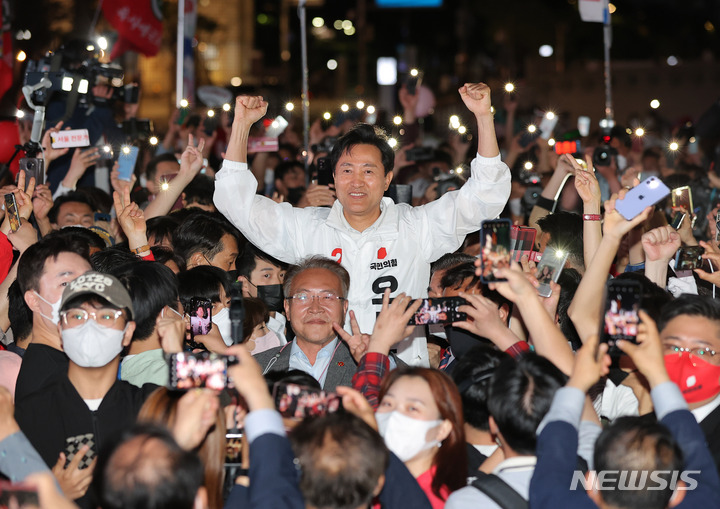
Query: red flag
[[138, 23]]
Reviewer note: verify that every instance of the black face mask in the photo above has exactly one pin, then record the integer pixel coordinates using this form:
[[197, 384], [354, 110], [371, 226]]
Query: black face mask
[[461, 341], [294, 194], [272, 296]]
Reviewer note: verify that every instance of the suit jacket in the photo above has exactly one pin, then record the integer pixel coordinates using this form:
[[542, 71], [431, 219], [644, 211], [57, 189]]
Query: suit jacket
[[711, 428], [340, 371]]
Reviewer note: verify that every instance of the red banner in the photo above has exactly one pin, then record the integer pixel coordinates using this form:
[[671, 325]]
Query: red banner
[[138, 23]]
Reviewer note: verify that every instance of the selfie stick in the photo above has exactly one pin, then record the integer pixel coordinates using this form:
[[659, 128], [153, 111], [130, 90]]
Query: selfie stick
[[33, 146], [237, 313]]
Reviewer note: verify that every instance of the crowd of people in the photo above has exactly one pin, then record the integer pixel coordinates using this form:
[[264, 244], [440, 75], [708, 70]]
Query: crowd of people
[[126, 383]]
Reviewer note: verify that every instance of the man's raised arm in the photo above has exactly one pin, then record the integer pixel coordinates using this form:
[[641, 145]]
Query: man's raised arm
[[248, 110]]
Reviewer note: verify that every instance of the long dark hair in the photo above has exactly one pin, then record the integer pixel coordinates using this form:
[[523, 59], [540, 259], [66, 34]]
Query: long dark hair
[[451, 457]]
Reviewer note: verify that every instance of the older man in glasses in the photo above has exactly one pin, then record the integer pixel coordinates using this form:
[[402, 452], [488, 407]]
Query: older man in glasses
[[315, 297]]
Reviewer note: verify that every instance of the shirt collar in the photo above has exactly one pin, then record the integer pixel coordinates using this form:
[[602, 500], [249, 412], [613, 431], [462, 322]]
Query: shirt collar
[[516, 463], [324, 352], [383, 224], [705, 410]]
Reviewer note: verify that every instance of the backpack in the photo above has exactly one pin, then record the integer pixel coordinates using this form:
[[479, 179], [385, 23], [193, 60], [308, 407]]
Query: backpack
[[500, 492]]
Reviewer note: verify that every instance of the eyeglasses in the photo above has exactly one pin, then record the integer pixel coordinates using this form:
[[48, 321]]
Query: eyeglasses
[[76, 317], [324, 299], [698, 352]]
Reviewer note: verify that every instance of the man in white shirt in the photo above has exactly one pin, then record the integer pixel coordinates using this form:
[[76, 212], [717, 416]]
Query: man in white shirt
[[381, 244]]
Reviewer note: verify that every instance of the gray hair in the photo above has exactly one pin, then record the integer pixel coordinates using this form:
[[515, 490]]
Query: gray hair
[[318, 262]]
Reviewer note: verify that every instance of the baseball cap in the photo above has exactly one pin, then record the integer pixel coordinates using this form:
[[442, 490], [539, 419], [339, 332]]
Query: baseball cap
[[103, 285]]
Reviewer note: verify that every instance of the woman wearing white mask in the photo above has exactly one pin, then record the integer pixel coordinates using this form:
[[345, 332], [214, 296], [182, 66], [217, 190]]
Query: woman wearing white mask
[[257, 337], [420, 419]]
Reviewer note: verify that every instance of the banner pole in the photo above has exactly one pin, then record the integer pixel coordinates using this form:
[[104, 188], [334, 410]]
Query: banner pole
[[180, 56]]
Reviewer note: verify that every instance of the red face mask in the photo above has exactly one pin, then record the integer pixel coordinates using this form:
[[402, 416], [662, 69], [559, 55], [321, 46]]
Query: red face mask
[[698, 379]]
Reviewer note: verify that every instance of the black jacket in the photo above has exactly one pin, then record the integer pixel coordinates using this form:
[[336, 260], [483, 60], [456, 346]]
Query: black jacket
[[41, 365], [56, 419]]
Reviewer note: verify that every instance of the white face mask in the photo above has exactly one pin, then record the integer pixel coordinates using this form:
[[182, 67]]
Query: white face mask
[[266, 342], [91, 345], [404, 435], [222, 321], [55, 318]]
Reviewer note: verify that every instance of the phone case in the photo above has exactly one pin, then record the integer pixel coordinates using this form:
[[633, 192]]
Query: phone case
[[12, 211], [682, 197], [623, 299], [126, 163], [643, 195], [494, 248], [689, 258], [441, 310], [522, 241], [549, 269]]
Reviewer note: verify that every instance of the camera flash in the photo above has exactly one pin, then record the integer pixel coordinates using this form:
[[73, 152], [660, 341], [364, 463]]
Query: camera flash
[[327, 115], [509, 87], [153, 140], [371, 109], [125, 150], [184, 103], [674, 146], [639, 131], [550, 115], [226, 107], [165, 186], [397, 120], [559, 253], [19, 114], [678, 192], [107, 148], [289, 106], [344, 107], [551, 142], [414, 72], [392, 142], [462, 129], [360, 105], [528, 165], [531, 128], [211, 113]]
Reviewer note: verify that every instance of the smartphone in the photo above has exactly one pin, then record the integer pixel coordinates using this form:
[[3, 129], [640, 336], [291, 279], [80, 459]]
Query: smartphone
[[106, 153], [126, 162], [689, 258], [70, 139], [400, 193], [682, 199], [199, 370], [18, 495], [165, 185], [183, 115], [494, 248], [643, 195], [412, 83], [324, 172], [33, 167], [73, 446], [547, 125], [528, 137], [11, 209], [298, 401], [549, 269], [233, 449], [522, 241], [622, 302], [277, 127], [678, 220], [717, 227], [200, 316], [439, 310], [262, 144]]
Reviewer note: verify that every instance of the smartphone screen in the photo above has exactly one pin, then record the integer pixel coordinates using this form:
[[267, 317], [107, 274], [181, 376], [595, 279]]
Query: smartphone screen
[[202, 369], [439, 310], [643, 195], [126, 162], [682, 199], [233, 449], [12, 211], [522, 241], [622, 302], [18, 495], [200, 316], [495, 248], [717, 227], [549, 269], [298, 401], [678, 220], [689, 258]]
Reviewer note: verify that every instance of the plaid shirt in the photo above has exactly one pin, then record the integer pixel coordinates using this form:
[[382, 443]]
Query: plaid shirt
[[369, 374]]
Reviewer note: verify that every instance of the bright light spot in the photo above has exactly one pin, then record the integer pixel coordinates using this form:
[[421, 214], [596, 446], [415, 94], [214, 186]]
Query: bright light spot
[[184, 103], [289, 106], [90, 47], [20, 114], [107, 149], [672, 61], [83, 86], [546, 50], [693, 140], [454, 121], [350, 31], [165, 186], [263, 18], [125, 150], [492, 109], [338, 25], [344, 107], [211, 113], [397, 120], [639, 131], [551, 142], [371, 109], [559, 253], [674, 146], [528, 165], [360, 105], [550, 115], [392, 142], [332, 64], [709, 27], [27, 35], [611, 8], [327, 115], [346, 24], [153, 140], [103, 43], [236, 81], [414, 72], [67, 84], [654, 104], [532, 128], [318, 22], [226, 107], [509, 87], [462, 129], [275, 124], [459, 169], [678, 192], [21, 56]]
